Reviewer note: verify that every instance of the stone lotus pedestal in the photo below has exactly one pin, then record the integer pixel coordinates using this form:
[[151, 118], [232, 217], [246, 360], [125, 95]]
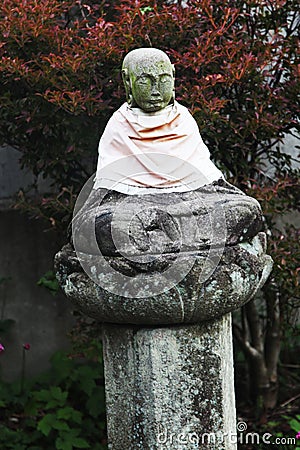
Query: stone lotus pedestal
[[168, 357]]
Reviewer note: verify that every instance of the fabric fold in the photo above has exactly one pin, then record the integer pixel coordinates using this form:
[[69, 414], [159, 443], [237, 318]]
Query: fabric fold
[[149, 152]]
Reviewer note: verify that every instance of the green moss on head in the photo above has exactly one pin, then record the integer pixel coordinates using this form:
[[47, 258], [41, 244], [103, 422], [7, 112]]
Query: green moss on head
[[148, 76]]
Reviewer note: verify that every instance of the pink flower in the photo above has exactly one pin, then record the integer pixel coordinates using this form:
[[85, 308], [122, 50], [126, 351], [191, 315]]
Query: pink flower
[[26, 346], [2, 348]]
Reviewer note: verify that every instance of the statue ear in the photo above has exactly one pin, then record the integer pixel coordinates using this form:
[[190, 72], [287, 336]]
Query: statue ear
[[125, 75], [173, 95], [126, 81]]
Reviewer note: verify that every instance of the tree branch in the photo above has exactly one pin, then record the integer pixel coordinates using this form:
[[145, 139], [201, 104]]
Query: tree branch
[[273, 335], [248, 350], [255, 326]]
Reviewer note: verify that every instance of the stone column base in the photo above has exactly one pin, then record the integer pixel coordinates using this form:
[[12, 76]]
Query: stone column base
[[170, 387]]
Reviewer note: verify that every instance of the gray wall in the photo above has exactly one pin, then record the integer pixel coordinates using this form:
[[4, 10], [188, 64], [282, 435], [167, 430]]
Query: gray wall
[[12, 177], [26, 254]]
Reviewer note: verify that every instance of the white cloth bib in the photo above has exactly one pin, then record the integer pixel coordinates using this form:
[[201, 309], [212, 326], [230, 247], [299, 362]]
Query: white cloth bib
[[153, 152]]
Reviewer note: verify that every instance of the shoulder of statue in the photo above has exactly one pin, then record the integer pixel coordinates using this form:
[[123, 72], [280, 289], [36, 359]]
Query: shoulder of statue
[[181, 109], [119, 115], [185, 113]]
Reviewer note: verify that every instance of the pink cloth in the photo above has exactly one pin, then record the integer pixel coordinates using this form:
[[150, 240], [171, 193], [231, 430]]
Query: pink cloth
[[150, 152]]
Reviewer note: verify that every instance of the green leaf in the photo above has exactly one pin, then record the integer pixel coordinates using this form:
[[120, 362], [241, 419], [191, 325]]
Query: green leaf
[[86, 376], [43, 395], [52, 404], [273, 424], [60, 426], [68, 440], [62, 444], [50, 282], [84, 373], [65, 413], [31, 408], [96, 403], [77, 417], [88, 387], [295, 425], [58, 394], [69, 413], [80, 443], [146, 9], [46, 423], [62, 365]]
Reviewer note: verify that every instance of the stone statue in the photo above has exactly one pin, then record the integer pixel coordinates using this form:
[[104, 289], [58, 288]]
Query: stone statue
[[157, 186], [158, 137], [163, 245]]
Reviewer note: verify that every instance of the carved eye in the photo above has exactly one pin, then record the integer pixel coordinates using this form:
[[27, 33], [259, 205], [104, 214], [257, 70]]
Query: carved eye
[[165, 79], [143, 80]]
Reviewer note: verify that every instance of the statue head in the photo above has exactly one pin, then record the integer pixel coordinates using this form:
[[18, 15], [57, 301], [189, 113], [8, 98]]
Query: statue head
[[148, 77]]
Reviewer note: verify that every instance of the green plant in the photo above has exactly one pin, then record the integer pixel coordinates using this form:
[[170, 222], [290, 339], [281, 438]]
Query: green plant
[[49, 281], [294, 423], [62, 409], [280, 431]]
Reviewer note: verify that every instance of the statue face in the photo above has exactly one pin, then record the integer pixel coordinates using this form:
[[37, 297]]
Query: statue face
[[152, 84]]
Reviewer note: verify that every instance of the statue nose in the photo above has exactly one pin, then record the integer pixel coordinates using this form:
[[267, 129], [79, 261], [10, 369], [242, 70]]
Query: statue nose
[[155, 90]]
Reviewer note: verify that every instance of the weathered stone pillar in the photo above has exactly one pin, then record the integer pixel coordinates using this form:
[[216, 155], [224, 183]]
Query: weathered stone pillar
[[170, 387]]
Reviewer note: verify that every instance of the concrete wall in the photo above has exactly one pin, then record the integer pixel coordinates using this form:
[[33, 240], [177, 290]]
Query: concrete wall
[[26, 254], [12, 177], [291, 142]]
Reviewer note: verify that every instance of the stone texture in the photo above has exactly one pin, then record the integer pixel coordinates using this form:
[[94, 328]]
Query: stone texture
[[217, 214], [241, 271], [142, 73], [169, 388]]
